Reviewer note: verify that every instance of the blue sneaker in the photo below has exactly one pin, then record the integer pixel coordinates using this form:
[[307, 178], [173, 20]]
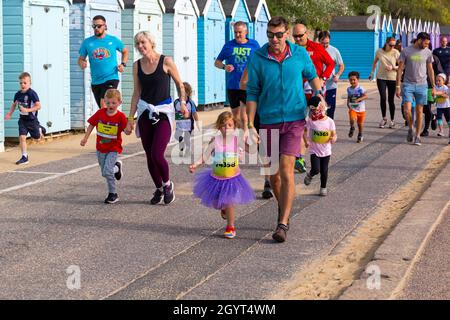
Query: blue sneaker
[[23, 160]]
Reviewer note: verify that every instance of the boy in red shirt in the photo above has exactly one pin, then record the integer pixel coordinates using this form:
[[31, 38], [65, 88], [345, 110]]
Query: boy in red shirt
[[110, 123]]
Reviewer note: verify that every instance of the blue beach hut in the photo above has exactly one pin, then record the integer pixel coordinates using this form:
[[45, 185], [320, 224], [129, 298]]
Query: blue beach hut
[[2, 123], [211, 37], [236, 10], [82, 103], [139, 15], [259, 11], [36, 40], [357, 58], [404, 33], [180, 40]]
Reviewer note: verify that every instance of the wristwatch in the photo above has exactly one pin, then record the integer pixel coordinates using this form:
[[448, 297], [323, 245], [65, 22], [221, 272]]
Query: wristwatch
[[124, 64]]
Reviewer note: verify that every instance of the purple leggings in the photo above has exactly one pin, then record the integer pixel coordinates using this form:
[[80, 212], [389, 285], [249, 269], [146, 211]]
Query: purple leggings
[[154, 140]]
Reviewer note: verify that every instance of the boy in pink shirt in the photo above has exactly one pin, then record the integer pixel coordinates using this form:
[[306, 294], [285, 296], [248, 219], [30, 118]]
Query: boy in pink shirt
[[318, 136]]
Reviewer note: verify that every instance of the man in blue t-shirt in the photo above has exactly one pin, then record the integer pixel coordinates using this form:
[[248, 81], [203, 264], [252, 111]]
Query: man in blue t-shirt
[[101, 49], [236, 53], [443, 53]]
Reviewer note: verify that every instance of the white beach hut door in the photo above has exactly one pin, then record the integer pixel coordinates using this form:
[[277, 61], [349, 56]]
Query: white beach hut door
[[190, 53], [47, 65], [153, 24]]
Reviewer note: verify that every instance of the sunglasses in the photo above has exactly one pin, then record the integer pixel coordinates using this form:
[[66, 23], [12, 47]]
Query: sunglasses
[[298, 36], [279, 35], [97, 26]]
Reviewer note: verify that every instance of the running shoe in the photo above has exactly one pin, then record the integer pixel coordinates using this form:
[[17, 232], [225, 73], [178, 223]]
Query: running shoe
[[307, 180], [360, 138], [280, 233], [323, 192], [267, 192], [112, 198], [392, 124], [22, 160], [230, 232], [424, 133], [157, 197], [350, 133], [383, 123], [417, 141], [440, 134], [169, 195], [118, 175], [409, 137], [300, 165]]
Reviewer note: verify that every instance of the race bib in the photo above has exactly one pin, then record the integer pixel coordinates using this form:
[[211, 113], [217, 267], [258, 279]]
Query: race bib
[[320, 137], [107, 130], [225, 165]]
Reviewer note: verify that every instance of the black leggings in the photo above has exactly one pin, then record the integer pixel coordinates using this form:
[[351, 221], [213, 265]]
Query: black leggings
[[427, 112], [320, 164], [390, 85]]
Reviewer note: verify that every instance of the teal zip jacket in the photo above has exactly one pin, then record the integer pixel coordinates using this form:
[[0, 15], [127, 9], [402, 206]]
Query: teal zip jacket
[[277, 88]]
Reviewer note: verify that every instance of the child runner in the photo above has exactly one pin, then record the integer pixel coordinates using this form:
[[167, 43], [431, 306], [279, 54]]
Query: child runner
[[110, 123], [223, 186], [322, 133], [356, 105], [184, 127], [27, 100], [442, 103]]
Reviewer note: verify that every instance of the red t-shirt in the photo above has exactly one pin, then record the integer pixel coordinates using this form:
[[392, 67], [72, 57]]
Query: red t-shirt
[[109, 130], [320, 58]]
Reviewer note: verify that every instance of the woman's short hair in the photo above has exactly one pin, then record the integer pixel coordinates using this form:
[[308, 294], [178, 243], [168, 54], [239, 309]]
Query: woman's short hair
[[145, 34]]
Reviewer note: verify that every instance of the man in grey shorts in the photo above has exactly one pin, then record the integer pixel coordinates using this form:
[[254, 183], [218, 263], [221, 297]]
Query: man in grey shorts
[[416, 61]]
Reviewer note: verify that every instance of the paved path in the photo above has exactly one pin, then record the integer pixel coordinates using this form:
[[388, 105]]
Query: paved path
[[132, 250]]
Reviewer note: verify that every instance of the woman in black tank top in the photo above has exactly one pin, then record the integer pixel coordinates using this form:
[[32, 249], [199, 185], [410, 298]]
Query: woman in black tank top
[[151, 75]]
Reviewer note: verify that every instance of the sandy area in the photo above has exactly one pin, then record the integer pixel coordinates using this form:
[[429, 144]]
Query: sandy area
[[328, 277]]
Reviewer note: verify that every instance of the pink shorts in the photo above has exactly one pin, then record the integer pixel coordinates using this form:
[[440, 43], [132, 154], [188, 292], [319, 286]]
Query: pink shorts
[[289, 137]]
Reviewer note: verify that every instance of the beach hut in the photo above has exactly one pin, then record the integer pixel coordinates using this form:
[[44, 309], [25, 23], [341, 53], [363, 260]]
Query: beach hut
[[397, 27], [211, 37], [357, 58], [36, 40], [259, 11], [411, 31], [383, 31], [236, 10], [82, 102], [2, 108], [180, 40], [404, 33], [139, 15]]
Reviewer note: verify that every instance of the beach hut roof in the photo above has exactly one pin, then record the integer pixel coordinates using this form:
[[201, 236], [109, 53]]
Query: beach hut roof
[[353, 23], [203, 6], [122, 5], [255, 7], [170, 6], [131, 4], [445, 30], [230, 7]]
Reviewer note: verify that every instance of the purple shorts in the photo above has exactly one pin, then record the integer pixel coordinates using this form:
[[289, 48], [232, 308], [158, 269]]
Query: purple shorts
[[289, 137]]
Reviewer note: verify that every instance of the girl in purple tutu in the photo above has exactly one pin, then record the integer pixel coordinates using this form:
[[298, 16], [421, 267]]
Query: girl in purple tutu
[[222, 186]]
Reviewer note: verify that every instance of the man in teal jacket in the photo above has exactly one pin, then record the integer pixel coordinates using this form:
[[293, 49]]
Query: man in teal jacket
[[275, 89]]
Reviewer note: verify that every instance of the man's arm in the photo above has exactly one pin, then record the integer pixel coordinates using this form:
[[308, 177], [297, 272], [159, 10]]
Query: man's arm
[[431, 75], [327, 61], [398, 88], [82, 62]]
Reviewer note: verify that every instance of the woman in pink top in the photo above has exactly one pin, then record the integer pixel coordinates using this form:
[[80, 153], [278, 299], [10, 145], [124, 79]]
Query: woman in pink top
[[320, 133]]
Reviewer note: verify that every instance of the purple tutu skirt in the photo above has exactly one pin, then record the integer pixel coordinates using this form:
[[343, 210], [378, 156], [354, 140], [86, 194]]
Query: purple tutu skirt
[[220, 194]]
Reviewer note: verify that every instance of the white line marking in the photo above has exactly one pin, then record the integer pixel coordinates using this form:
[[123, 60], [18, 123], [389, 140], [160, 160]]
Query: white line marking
[[58, 175], [35, 172]]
